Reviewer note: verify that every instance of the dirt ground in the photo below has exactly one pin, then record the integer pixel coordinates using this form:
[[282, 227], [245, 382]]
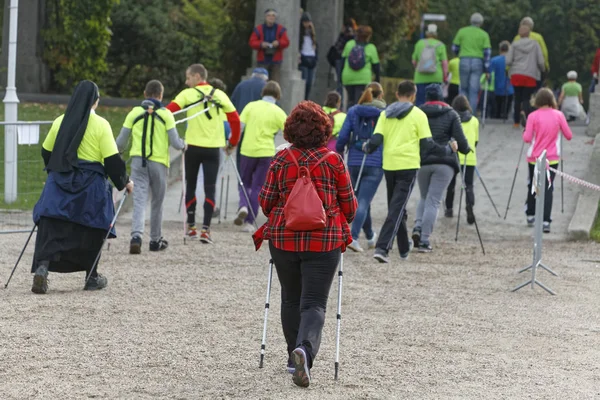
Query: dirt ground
[[187, 324]]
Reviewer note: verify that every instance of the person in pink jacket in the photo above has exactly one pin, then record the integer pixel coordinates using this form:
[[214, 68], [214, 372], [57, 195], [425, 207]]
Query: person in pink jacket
[[543, 131]]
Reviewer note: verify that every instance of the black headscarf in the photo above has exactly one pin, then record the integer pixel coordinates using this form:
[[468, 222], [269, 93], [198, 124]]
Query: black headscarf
[[73, 126]]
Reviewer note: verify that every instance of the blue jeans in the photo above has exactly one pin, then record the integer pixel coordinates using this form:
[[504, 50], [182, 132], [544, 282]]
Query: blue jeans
[[471, 70], [308, 74], [420, 100], [369, 182]]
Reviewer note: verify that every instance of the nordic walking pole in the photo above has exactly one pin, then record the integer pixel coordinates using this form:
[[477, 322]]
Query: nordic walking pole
[[487, 192], [264, 335], [237, 173], [485, 96], [221, 198], [562, 183], [462, 187], [20, 255], [507, 103], [183, 193], [512, 187], [226, 197], [112, 224], [462, 176], [360, 172], [339, 318]]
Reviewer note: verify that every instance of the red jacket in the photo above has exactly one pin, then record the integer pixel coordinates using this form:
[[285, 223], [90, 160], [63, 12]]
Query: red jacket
[[257, 38], [596, 64]]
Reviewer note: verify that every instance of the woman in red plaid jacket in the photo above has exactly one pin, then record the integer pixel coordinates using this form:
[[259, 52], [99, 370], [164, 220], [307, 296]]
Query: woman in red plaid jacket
[[306, 261]]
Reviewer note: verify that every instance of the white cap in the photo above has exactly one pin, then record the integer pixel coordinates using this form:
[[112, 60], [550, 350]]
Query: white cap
[[571, 75], [477, 19], [432, 28]]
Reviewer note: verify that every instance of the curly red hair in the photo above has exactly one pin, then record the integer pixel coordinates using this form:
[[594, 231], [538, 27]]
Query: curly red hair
[[308, 126]]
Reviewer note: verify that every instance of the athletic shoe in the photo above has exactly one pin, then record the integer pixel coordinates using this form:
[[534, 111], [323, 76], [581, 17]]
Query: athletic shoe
[[470, 215], [159, 245], [449, 213], [301, 375], [241, 216], [523, 119], [205, 236], [248, 228], [425, 247], [96, 283], [192, 232], [404, 256], [381, 256], [530, 221], [416, 236], [546, 227], [40, 280], [355, 246], [372, 243], [290, 366], [135, 245]]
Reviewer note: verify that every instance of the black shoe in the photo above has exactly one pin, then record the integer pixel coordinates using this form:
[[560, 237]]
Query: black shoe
[[135, 245], [301, 375], [96, 283], [40, 280], [449, 213], [546, 227], [425, 248], [416, 237], [159, 245], [381, 256], [470, 215]]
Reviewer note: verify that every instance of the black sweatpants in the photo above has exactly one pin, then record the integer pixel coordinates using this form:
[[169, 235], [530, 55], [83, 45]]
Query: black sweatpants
[[399, 186], [530, 203], [469, 176], [305, 279], [522, 101], [354, 93], [209, 159]]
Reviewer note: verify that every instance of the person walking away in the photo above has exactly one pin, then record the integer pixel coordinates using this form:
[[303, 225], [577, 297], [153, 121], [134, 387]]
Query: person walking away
[[306, 261], [436, 170], [528, 21], [487, 83], [357, 129], [503, 89], [205, 136], [430, 61], [404, 132], [470, 126], [542, 132], [269, 40], [570, 100], [361, 61], [151, 128], [262, 119], [595, 70], [526, 63], [334, 55], [75, 209], [333, 102], [308, 52], [454, 79], [472, 45]]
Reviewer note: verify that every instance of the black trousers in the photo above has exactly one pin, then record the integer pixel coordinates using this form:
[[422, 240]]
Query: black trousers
[[501, 106], [209, 159], [354, 93], [305, 279], [469, 176], [530, 203], [522, 97], [399, 186]]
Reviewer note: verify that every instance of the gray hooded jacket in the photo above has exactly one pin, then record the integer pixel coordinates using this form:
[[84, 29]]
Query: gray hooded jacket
[[525, 58]]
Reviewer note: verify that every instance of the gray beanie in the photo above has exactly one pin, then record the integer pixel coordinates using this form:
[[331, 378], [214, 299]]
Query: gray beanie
[[477, 19]]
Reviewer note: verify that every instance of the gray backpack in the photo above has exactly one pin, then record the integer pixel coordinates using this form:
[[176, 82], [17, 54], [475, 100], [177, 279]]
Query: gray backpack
[[428, 59]]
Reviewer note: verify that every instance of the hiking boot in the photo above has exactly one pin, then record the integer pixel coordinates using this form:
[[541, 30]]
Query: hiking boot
[[97, 282], [290, 366], [372, 243], [192, 231], [530, 221], [449, 213], [416, 237], [355, 246], [381, 256], [470, 215], [205, 236], [135, 245], [160, 245], [241, 216], [216, 212], [546, 227], [40, 280], [425, 247], [301, 375], [404, 256], [523, 119], [248, 228]]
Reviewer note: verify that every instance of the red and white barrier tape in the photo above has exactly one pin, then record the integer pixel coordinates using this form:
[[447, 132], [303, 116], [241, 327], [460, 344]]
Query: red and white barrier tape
[[575, 180]]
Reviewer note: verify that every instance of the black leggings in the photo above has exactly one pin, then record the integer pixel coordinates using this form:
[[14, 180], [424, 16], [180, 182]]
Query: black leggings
[[522, 101], [209, 159], [530, 202], [469, 175]]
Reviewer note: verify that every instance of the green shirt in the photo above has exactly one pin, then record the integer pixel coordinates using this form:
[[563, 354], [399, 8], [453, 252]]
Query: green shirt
[[491, 83], [471, 130], [363, 76], [97, 143], [159, 152], [472, 41], [454, 69], [401, 139], [338, 120], [262, 120], [572, 89], [440, 52]]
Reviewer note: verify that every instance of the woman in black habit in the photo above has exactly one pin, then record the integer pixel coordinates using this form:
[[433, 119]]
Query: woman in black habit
[[75, 208]]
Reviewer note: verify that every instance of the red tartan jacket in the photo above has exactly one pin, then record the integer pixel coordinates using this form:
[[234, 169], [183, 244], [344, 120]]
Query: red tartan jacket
[[332, 182], [257, 38]]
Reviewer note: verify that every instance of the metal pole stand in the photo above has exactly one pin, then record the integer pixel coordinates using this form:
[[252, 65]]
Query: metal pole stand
[[540, 189]]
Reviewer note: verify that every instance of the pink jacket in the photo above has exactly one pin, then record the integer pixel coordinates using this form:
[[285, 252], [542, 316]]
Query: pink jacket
[[543, 130]]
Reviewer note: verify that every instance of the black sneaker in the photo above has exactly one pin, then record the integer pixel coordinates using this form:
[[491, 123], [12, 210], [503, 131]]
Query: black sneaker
[[470, 215], [416, 237], [40, 280], [425, 248], [301, 375], [135, 245], [449, 213], [381, 256], [546, 227], [159, 245], [97, 282]]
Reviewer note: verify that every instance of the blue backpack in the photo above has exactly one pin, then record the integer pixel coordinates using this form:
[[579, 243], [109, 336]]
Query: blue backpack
[[357, 58], [362, 133]]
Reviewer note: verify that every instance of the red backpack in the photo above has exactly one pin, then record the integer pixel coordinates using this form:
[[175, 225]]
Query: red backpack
[[303, 209]]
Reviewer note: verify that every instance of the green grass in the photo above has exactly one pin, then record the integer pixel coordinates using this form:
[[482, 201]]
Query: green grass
[[595, 233]]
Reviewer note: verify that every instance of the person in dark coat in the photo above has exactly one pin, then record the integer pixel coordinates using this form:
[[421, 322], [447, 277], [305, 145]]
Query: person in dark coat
[[75, 209], [249, 90]]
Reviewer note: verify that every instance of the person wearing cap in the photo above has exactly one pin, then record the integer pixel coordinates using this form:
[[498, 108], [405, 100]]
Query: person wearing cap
[[430, 61], [151, 128], [308, 51], [528, 21], [503, 90], [472, 45], [570, 100], [269, 40], [436, 171]]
